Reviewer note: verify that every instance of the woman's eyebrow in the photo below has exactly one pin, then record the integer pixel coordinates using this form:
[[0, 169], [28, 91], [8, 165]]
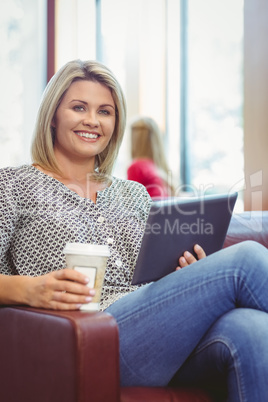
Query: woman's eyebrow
[[85, 103], [107, 105], [78, 100]]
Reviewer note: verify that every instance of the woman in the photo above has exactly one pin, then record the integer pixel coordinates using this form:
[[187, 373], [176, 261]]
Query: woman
[[149, 166], [207, 319]]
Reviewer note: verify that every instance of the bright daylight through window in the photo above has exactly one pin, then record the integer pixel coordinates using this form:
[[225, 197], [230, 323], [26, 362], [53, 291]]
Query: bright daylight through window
[[22, 80], [215, 93]]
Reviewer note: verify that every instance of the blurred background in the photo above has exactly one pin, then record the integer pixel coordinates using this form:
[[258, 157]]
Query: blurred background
[[199, 68]]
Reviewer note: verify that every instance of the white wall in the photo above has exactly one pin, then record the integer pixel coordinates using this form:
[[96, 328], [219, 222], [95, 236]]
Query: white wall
[[256, 104]]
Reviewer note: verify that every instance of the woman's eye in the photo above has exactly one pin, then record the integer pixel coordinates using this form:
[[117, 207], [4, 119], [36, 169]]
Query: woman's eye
[[104, 111], [79, 108]]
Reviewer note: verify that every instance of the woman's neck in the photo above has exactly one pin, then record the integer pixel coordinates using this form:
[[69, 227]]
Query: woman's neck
[[75, 169], [79, 178]]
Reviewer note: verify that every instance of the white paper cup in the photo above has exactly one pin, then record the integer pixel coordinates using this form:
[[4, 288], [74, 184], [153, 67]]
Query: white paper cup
[[90, 260]]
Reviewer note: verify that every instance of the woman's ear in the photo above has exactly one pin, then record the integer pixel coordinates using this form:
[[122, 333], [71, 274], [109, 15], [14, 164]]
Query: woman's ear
[[53, 123]]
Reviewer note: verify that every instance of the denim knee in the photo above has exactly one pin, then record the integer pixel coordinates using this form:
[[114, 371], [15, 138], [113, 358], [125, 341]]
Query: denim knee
[[232, 354], [249, 247], [241, 337]]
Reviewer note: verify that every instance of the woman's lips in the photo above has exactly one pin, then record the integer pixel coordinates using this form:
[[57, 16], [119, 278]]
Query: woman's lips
[[92, 136]]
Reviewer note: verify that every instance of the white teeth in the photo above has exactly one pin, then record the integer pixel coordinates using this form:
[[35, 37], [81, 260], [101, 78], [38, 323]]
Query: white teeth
[[88, 135]]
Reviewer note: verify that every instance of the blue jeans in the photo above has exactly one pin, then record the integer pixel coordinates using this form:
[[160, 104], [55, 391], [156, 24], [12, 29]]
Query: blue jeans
[[210, 317]]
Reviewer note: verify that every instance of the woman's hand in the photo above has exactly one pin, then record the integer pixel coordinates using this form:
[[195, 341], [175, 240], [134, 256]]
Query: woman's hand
[[59, 290], [188, 258]]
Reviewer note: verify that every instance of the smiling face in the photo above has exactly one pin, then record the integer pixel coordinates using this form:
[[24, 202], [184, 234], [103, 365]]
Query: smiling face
[[84, 122]]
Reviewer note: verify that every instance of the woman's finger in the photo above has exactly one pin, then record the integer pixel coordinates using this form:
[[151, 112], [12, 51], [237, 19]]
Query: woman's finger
[[71, 275], [199, 252], [190, 259], [182, 262], [71, 298]]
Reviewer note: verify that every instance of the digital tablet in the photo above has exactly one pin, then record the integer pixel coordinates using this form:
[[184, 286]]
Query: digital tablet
[[175, 225]]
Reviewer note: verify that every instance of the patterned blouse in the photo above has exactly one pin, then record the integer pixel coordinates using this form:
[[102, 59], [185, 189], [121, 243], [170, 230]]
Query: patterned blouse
[[39, 215]]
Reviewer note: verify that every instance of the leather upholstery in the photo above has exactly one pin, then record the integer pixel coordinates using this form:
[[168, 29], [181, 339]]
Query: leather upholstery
[[48, 356], [163, 395], [248, 226]]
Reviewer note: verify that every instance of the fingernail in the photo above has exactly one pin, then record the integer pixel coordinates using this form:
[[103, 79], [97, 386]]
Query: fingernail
[[187, 254], [197, 247], [86, 280], [92, 292], [88, 299]]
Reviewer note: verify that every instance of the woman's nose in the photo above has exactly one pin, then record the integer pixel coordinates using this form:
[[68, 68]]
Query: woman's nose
[[91, 119]]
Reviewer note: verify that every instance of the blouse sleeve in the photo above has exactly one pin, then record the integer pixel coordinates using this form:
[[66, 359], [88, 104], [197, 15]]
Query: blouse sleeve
[[8, 218]]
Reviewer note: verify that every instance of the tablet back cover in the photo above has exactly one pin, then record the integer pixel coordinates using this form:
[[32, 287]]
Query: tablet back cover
[[175, 225]]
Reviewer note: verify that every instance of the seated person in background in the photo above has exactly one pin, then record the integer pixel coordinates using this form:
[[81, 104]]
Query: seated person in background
[[149, 166]]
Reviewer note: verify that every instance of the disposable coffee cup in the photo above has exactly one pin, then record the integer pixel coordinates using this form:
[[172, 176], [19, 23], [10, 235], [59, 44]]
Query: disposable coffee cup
[[90, 260]]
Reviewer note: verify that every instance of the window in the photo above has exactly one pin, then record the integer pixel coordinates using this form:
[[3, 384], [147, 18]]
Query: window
[[215, 93], [75, 30], [22, 79]]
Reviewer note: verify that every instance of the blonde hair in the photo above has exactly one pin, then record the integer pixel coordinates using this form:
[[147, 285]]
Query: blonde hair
[[146, 142], [43, 141]]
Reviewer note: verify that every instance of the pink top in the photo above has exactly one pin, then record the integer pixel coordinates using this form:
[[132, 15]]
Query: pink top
[[145, 172]]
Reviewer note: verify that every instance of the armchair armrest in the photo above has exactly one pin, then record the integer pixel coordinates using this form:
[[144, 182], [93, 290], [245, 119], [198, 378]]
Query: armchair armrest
[[52, 356]]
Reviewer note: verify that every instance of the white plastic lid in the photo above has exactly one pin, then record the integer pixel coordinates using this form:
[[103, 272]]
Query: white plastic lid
[[87, 249]]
